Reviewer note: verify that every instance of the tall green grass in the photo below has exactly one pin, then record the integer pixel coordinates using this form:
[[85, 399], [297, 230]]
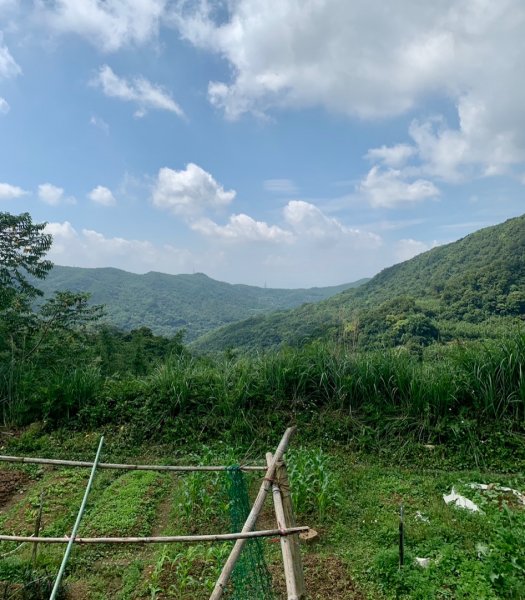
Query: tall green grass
[[446, 393]]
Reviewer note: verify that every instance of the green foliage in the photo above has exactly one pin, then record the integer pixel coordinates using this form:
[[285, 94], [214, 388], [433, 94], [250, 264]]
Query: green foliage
[[388, 381], [23, 246], [167, 304], [136, 352], [460, 394], [26, 582], [184, 572], [250, 577], [202, 490], [315, 491], [505, 557], [466, 551], [491, 568], [126, 507], [33, 340]]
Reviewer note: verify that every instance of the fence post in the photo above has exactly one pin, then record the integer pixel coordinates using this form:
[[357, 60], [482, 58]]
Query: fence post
[[286, 549], [284, 485], [38, 524], [252, 517]]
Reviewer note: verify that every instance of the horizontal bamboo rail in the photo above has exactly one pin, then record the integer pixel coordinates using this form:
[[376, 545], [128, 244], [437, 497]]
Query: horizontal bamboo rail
[[214, 537], [83, 463]]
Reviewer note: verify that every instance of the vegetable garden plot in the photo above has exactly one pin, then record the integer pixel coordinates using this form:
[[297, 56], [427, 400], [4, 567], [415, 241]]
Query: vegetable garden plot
[[247, 568]]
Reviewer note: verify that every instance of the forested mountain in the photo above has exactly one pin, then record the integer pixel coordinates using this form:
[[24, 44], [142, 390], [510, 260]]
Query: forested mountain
[[459, 289], [169, 303]]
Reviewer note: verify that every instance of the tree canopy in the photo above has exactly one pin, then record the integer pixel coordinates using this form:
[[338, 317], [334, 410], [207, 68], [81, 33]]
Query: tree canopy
[[23, 326], [23, 247]]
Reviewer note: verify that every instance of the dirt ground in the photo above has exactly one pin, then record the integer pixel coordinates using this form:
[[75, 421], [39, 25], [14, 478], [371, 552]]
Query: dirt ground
[[325, 577], [11, 482]]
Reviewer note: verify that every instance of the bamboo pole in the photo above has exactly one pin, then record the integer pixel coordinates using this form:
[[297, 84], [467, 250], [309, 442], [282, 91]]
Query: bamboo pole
[[76, 525], [212, 537], [83, 463], [252, 517], [289, 573], [284, 486]]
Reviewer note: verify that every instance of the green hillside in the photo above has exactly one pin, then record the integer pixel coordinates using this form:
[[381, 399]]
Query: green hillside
[[461, 289], [168, 303]]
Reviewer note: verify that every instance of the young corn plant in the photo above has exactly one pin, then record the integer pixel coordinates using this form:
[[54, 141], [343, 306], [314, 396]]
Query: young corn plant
[[313, 485]]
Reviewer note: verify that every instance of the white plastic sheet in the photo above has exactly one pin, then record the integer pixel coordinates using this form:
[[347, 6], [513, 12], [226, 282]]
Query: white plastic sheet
[[460, 501]]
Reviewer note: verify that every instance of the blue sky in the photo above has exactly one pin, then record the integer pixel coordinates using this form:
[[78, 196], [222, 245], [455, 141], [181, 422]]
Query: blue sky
[[289, 143]]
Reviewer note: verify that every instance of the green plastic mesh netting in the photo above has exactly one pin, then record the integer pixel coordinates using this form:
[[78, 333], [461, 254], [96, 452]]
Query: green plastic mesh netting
[[251, 579]]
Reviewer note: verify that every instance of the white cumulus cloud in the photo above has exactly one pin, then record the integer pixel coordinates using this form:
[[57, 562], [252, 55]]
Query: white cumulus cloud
[[337, 54], [50, 194], [388, 189], [371, 58], [63, 230], [143, 93], [10, 192], [243, 228], [102, 195], [107, 24], [309, 222], [189, 192], [89, 248]]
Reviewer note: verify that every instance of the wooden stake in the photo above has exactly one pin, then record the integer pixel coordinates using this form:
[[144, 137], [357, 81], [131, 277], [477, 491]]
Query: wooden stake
[[38, 523], [212, 537], [289, 572], [401, 537], [289, 515], [252, 517]]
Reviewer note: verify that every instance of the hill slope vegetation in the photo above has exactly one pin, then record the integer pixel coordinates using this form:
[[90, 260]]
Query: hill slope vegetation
[[456, 290], [168, 303]]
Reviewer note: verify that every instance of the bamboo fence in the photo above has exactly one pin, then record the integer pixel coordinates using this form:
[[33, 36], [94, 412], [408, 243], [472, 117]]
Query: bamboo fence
[[275, 478]]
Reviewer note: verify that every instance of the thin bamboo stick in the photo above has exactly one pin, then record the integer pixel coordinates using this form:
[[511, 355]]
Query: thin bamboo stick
[[284, 486], [213, 537], [83, 463], [252, 517], [289, 573], [77, 524]]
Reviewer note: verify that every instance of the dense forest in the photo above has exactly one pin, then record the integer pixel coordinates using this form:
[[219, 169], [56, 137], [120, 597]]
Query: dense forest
[[166, 304]]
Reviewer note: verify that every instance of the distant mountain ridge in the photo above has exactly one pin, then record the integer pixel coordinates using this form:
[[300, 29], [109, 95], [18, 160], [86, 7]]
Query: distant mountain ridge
[[168, 303], [462, 284]]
